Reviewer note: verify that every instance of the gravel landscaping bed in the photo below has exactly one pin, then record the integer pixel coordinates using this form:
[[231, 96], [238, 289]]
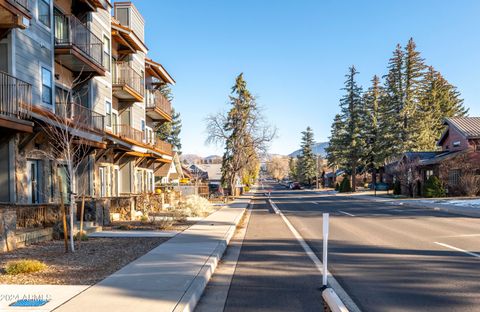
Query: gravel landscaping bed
[[148, 225], [93, 261]]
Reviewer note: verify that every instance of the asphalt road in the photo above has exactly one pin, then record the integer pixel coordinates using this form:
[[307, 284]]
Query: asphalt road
[[272, 272], [392, 258]]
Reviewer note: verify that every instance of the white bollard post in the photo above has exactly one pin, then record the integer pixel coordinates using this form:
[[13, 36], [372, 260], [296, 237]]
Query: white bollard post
[[325, 248]]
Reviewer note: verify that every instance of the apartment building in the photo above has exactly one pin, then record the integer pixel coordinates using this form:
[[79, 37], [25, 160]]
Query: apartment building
[[83, 63]]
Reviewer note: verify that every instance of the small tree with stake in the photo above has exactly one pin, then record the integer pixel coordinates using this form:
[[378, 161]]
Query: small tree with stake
[[63, 130]]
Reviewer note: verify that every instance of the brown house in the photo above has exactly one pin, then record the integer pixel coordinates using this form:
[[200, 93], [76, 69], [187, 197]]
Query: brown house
[[456, 163]]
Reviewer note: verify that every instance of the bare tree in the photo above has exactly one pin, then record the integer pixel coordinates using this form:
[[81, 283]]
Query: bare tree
[[278, 167], [66, 130], [408, 174], [461, 174]]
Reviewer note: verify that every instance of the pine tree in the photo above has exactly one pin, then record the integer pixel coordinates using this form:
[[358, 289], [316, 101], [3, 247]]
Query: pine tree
[[391, 106], [170, 131], [351, 141], [439, 100], [307, 160], [371, 118], [292, 168], [414, 72], [335, 150]]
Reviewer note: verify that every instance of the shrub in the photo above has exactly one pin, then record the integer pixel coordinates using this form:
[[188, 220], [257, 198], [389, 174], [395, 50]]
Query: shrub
[[345, 185], [397, 188], [144, 218], [434, 187], [337, 187], [81, 236], [195, 206], [24, 266]]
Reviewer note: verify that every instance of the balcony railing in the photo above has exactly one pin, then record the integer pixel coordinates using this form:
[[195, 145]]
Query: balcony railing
[[15, 97], [80, 115], [163, 146], [70, 31], [156, 100], [126, 131], [124, 74]]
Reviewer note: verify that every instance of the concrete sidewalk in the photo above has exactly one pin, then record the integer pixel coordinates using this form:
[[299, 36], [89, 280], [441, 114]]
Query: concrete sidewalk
[[170, 277], [424, 203]]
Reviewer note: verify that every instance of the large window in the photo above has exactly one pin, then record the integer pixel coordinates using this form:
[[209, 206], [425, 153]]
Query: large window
[[46, 86], [428, 174], [106, 52], [44, 12]]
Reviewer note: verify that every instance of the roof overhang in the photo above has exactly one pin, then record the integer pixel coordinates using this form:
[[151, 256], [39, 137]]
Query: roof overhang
[[157, 70], [126, 37]]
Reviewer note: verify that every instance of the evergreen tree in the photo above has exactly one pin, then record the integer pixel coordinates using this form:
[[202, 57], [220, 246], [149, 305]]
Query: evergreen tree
[[439, 100], [391, 127], [414, 72], [292, 168], [351, 106], [335, 150], [170, 132], [307, 160], [373, 153]]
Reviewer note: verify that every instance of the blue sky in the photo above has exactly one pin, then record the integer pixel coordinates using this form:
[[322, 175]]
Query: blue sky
[[294, 54]]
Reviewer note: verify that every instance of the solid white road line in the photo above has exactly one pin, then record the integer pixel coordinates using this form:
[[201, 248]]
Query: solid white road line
[[331, 280], [348, 214], [458, 249]]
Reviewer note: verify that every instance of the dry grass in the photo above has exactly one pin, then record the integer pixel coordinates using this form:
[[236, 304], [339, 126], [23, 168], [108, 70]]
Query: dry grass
[[93, 261], [24, 266]]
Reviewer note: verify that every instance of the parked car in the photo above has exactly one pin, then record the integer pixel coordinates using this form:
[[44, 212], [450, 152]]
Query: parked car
[[295, 186]]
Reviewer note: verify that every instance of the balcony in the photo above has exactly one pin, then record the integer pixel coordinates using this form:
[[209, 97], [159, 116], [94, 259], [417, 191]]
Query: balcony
[[157, 106], [128, 133], [163, 147], [127, 84], [13, 14], [80, 115], [76, 47], [15, 103]]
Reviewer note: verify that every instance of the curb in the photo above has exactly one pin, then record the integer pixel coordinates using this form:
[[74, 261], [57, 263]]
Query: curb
[[191, 297], [333, 302]]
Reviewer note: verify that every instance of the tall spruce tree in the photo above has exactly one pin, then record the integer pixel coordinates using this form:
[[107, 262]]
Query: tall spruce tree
[[335, 150], [307, 160], [373, 154], [414, 73], [391, 126], [351, 110], [439, 100]]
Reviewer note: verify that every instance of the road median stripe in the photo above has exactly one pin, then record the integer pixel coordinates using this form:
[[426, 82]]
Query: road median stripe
[[459, 249]]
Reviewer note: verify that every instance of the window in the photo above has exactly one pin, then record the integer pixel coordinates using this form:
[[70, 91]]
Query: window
[[102, 178], [456, 144], [453, 177], [46, 86], [428, 174], [106, 52], [108, 114], [44, 12]]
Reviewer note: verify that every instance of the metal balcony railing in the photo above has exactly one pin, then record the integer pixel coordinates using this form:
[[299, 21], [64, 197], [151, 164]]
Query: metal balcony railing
[[80, 115], [163, 146], [126, 131], [124, 74], [70, 31], [15, 97], [155, 99]]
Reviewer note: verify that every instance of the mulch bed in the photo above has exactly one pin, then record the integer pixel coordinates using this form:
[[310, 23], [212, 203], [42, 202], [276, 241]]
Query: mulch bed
[[92, 261], [148, 226]]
